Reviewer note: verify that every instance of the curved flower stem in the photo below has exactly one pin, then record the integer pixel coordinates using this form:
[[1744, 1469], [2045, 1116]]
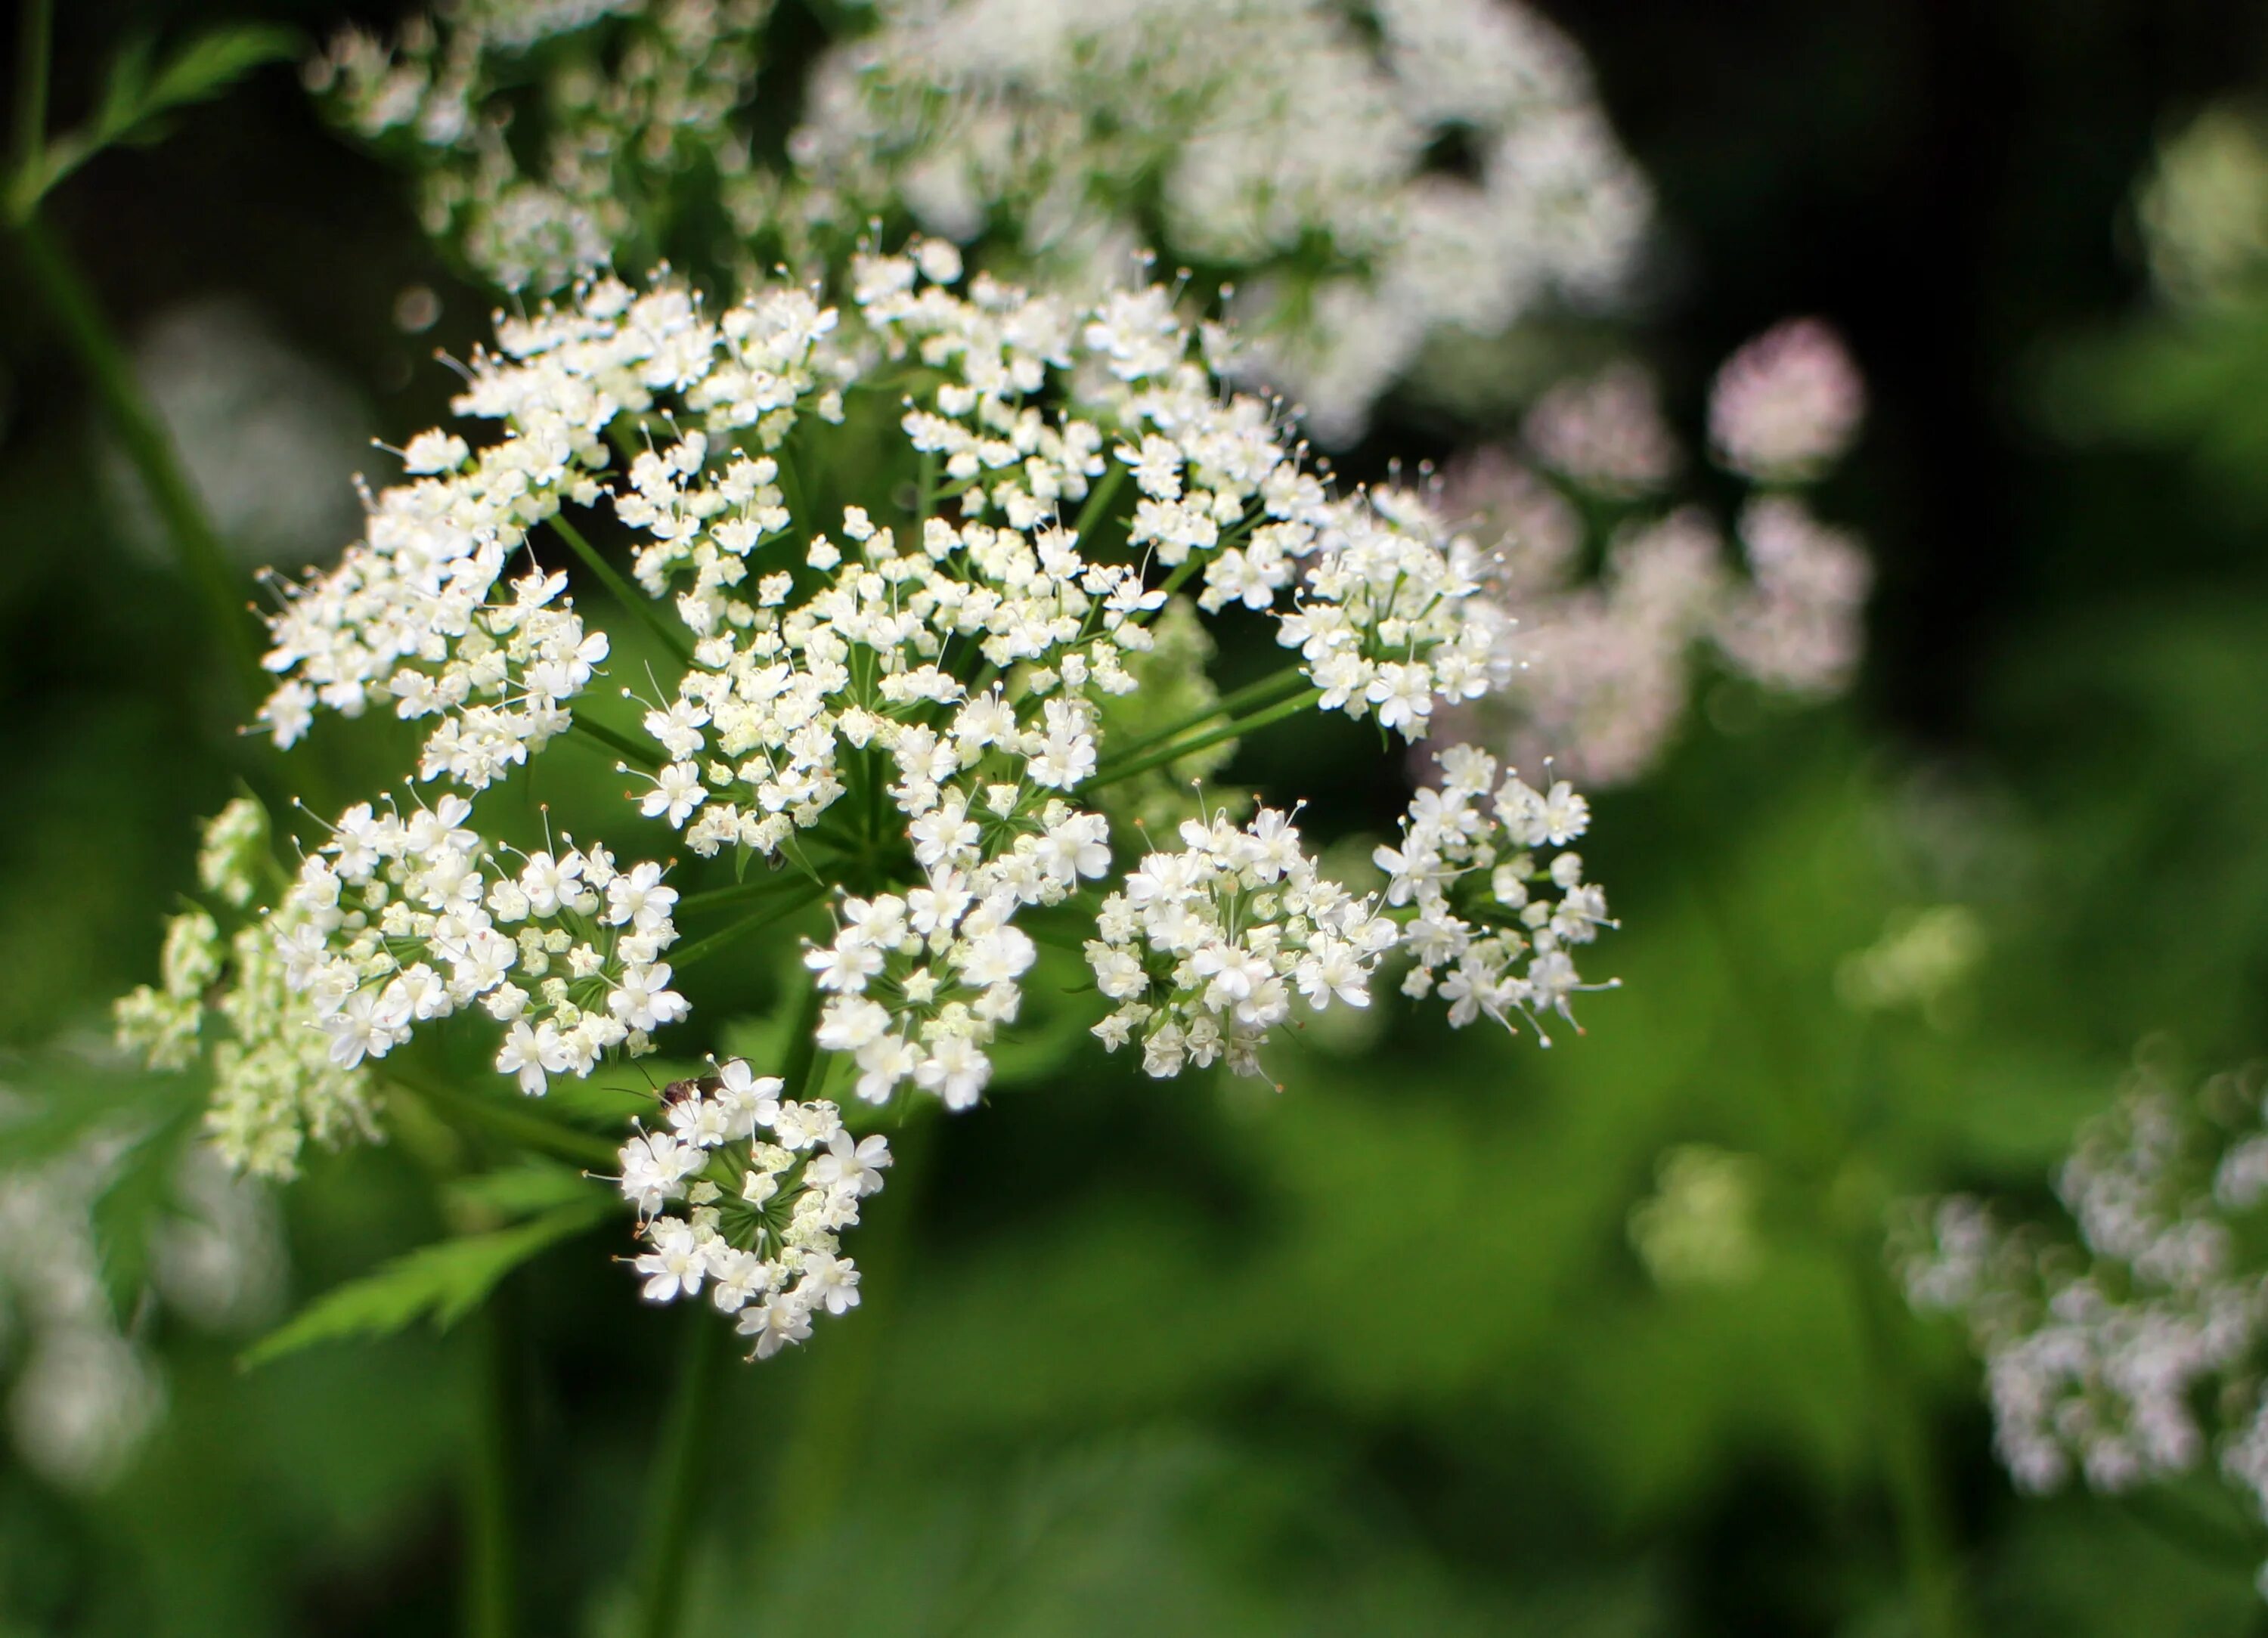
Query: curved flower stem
[[925, 494], [1264, 691], [763, 887], [800, 1066], [149, 446], [629, 596], [532, 1131], [490, 1548], [1182, 570], [807, 893], [1098, 501], [2207, 1540], [620, 744], [1241, 726]]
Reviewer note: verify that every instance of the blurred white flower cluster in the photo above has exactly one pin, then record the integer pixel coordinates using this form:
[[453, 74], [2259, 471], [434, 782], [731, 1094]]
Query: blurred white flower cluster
[[84, 1387], [2135, 1354], [548, 135], [1372, 174], [900, 699], [1617, 588], [1700, 1228], [2204, 207]]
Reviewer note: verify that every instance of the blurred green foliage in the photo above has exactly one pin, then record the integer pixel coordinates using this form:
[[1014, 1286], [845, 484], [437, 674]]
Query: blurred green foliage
[[1380, 1354]]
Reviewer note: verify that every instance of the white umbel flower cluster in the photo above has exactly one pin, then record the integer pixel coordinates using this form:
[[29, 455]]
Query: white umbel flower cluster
[[2133, 1356], [1494, 917], [411, 615], [901, 697], [1384, 605], [1371, 173], [398, 922], [746, 1195], [1206, 950]]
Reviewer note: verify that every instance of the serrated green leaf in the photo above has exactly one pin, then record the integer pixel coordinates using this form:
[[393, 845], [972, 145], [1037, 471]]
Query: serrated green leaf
[[522, 1189], [133, 1198], [445, 1280], [136, 99], [212, 62], [52, 1101]]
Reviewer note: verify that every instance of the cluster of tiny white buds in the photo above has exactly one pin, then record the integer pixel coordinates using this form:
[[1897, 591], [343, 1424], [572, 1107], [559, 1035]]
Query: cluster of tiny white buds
[[224, 995]]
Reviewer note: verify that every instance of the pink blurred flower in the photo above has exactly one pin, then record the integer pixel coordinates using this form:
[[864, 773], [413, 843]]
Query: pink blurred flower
[[1788, 406], [1605, 432], [1797, 628], [1601, 661]]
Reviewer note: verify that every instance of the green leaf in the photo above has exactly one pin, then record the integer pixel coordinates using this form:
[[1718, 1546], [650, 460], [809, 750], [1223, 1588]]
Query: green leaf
[[446, 1281], [51, 1101], [136, 97], [124, 89], [520, 1190], [127, 1209], [212, 62]]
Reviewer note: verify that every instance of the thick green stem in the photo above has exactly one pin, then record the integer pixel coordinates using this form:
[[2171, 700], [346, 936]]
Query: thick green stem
[[489, 1549], [669, 1511], [669, 1508], [628, 595], [1098, 501], [1231, 731], [33, 42], [824, 1454], [147, 445], [1917, 1495]]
